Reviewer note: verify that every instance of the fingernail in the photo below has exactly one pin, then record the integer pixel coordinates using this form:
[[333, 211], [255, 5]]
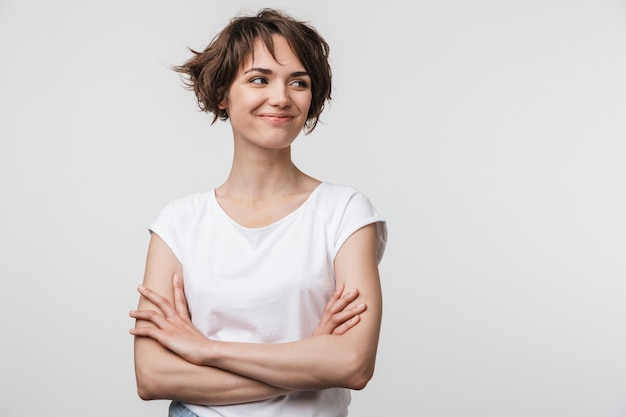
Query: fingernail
[[361, 305], [141, 288]]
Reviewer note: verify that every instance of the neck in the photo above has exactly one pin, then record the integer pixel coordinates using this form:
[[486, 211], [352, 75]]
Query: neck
[[258, 175]]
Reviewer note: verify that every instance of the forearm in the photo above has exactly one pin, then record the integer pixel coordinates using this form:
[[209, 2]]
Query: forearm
[[162, 374], [318, 362], [314, 363], [323, 361]]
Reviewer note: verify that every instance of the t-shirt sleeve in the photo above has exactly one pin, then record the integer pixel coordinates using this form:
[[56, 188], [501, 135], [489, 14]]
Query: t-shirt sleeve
[[166, 226], [360, 212]]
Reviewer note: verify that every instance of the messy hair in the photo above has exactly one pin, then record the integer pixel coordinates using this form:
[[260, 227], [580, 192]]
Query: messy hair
[[211, 72]]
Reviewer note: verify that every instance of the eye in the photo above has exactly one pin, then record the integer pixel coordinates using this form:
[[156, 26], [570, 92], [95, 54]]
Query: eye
[[258, 80], [300, 84]]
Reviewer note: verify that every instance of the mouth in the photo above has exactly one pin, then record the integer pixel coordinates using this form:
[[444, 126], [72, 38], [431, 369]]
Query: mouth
[[276, 118]]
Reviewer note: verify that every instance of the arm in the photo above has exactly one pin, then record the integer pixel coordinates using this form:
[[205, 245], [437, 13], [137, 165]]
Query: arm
[[162, 374], [317, 362]]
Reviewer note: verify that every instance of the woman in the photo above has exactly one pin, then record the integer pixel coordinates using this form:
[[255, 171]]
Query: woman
[[263, 325]]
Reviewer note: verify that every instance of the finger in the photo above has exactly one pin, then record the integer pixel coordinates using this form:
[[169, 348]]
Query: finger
[[149, 315], [343, 302], [345, 315], [350, 296], [334, 314], [144, 332], [340, 323], [151, 332], [158, 300], [338, 292], [180, 302], [334, 298], [347, 325]]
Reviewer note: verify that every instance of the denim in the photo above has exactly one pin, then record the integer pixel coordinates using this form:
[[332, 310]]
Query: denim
[[179, 410]]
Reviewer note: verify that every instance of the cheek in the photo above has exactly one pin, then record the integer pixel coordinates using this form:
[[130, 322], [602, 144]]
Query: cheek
[[304, 103], [249, 101]]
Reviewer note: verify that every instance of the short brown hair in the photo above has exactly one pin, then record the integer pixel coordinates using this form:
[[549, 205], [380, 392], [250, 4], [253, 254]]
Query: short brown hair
[[211, 72]]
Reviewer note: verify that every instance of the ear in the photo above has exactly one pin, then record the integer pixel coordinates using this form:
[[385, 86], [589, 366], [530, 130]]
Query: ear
[[224, 103]]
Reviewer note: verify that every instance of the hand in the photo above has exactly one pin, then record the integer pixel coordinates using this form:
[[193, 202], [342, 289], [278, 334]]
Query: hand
[[337, 319], [172, 325]]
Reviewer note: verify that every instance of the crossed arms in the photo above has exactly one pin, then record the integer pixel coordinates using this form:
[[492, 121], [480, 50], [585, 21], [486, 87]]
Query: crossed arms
[[174, 361]]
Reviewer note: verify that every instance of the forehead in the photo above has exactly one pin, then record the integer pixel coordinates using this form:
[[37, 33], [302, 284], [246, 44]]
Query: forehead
[[283, 55]]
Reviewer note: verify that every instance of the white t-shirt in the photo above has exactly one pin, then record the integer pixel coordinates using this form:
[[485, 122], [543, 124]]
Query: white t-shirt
[[267, 284]]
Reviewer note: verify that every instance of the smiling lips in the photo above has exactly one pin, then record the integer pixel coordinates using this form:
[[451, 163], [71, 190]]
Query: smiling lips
[[276, 118]]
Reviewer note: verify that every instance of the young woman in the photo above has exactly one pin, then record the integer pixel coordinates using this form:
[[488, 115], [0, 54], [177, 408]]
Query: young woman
[[261, 297]]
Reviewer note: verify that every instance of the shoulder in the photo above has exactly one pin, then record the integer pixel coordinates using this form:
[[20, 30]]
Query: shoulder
[[337, 193], [188, 209], [192, 203], [344, 206], [335, 199], [346, 210]]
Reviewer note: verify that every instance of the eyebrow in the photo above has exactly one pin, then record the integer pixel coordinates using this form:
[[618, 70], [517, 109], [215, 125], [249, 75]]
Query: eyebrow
[[269, 72]]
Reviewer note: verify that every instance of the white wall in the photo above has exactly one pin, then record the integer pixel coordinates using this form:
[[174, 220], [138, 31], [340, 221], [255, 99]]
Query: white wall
[[490, 134]]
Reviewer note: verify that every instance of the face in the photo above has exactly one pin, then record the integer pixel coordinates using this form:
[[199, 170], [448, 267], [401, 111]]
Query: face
[[269, 99]]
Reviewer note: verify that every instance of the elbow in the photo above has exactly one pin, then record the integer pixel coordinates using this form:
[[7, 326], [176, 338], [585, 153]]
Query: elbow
[[149, 379], [146, 387], [360, 372], [359, 380], [151, 370], [146, 392]]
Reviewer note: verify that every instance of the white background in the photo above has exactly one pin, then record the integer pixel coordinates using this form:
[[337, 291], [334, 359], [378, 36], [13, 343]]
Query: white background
[[490, 134]]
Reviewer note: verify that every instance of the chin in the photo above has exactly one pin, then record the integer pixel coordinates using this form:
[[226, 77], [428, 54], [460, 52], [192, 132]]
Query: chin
[[277, 143]]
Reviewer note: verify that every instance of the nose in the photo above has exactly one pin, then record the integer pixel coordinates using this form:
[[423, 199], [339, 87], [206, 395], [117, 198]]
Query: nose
[[279, 96]]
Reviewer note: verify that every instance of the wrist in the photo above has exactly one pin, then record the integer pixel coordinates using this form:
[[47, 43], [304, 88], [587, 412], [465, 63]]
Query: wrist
[[210, 353]]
